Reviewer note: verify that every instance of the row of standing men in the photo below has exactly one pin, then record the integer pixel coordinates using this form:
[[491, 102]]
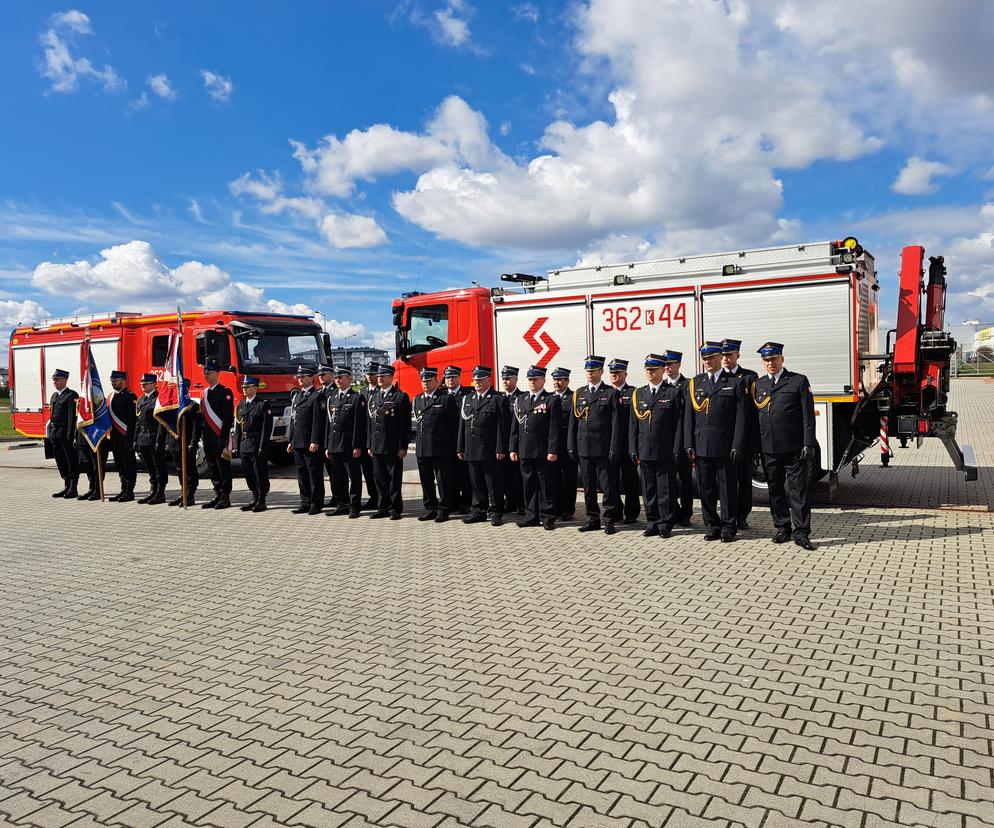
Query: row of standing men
[[486, 452]]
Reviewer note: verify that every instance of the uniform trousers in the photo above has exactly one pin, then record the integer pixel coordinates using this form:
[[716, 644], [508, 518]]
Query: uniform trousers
[[66, 458], [192, 476], [436, 471], [487, 486], [788, 471], [658, 482], [310, 477], [123, 450], [218, 467], [539, 493], [566, 485], [154, 459], [388, 470], [629, 487], [717, 482], [682, 494], [600, 473], [744, 484], [346, 477], [256, 467]]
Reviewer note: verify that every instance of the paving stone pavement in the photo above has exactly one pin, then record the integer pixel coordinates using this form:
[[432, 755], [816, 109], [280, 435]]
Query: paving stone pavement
[[161, 668]]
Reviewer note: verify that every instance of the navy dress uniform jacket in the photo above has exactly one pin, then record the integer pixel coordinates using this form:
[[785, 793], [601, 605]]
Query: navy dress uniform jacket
[[715, 415], [655, 429], [535, 430], [253, 426], [483, 425], [595, 427], [62, 415], [346, 420], [389, 428], [436, 422], [786, 413], [307, 418]]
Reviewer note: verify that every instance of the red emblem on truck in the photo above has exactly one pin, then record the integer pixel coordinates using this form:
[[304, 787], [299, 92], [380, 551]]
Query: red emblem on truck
[[540, 342]]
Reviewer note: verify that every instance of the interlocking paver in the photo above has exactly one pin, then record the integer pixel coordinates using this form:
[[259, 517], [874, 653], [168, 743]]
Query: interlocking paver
[[399, 676]]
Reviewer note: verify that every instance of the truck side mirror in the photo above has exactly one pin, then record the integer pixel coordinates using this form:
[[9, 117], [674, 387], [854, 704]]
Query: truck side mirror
[[326, 338]]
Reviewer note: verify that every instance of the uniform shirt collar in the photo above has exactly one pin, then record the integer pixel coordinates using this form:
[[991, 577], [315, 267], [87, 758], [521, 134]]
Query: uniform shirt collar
[[776, 377]]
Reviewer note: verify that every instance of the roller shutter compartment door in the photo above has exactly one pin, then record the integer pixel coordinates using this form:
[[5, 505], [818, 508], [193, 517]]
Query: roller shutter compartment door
[[549, 336]]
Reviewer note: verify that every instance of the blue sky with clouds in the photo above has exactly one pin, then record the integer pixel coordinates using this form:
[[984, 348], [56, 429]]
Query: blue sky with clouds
[[309, 156]]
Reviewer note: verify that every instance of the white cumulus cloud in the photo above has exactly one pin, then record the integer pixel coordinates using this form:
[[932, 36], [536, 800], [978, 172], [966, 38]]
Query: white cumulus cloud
[[916, 176], [162, 87], [26, 312], [345, 231], [61, 62], [217, 86]]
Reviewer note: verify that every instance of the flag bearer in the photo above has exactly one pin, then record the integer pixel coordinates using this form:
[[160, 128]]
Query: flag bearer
[[345, 442], [483, 444], [628, 476], [743, 478], [121, 439], [536, 443], [194, 429], [436, 422]]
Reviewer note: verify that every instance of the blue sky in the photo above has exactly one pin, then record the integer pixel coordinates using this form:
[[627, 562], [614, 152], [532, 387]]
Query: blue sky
[[301, 156]]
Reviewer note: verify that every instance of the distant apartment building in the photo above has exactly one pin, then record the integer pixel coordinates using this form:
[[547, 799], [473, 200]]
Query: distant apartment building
[[358, 358]]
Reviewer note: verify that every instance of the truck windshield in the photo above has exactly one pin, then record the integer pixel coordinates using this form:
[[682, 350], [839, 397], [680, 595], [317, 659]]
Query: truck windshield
[[427, 328], [278, 349]]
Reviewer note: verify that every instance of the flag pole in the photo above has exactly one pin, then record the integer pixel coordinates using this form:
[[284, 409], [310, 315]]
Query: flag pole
[[182, 419]]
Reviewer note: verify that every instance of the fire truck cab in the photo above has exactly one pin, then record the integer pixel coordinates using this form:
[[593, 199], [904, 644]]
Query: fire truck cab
[[266, 345]]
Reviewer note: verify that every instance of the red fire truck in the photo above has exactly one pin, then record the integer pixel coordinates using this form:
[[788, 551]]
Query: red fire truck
[[819, 299], [267, 345]]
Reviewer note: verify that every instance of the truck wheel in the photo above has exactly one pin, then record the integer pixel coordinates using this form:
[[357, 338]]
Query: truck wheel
[[278, 455]]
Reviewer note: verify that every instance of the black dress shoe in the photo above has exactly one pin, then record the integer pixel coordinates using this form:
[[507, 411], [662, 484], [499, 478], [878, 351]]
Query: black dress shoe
[[330, 503], [126, 497], [339, 510], [742, 523], [525, 524], [428, 516], [62, 493], [590, 526], [727, 537], [395, 516], [379, 513], [476, 517], [665, 532], [260, 505], [248, 507], [316, 509], [712, 536], [210, 504], [300, 510], [85, 495], [650, 531], [497, 520], [72, 494], [549, 524], [442, 517], [781, 537], [115, 498], [354, 514], [155, 501], [804, 542]]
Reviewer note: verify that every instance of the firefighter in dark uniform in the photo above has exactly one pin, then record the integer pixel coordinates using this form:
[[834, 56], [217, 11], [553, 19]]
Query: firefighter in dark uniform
[[194, 430], [682, 494], [436, 423], [307, 421], [61, 433], [121, 439], [345, 442], [483, 444], [463, 491], [786, 410], [253, 428], [628, 476], [595, 440], [326, 376], [389, 433], [655, 444], [566, 467], [743, 481], [536, 443], [714, 433], [217, 405], [150, 441], [366, 459], [513, 495]]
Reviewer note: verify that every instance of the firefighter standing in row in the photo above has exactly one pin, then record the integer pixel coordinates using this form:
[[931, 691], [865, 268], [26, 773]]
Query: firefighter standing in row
[[595, 442], [306, 442], [345, 442], [786, 411], [655, 443], [536, 443], [682, 494], [714, 434], [436, 424], [743, 477], [388, 435], [513, 495], [253, 426], [628, 476], [326, 376], [483, 444], [121, 438], [150, 441], [217, 406], [366, 459], [566, 466], [87, 461], [194, 430], [463, 497], [61, 433]]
